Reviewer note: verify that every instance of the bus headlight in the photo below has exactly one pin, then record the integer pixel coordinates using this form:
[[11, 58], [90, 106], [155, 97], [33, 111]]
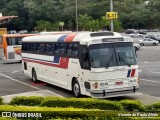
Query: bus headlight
[[95, 85]]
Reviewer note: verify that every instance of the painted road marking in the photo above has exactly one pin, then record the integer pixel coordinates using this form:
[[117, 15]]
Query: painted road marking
[[19, 81], [16, 71], [155, 72], [150, 81], [139, 71]]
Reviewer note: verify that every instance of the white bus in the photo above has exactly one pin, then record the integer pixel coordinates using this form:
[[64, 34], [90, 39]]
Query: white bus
[[99, 65]]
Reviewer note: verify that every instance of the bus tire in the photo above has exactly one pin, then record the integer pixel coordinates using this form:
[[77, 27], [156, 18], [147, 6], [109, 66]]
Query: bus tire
[[76, 88], [34, 75]]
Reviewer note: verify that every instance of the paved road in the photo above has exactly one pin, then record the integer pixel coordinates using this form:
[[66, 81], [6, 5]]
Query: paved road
[[14, 82]]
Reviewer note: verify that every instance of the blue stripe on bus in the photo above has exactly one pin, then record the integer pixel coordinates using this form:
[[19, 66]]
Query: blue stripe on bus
[[62, 38], [129, 72], [57, 58]]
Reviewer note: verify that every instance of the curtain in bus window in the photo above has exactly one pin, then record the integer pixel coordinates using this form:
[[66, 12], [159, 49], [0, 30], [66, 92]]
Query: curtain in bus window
[[19, 41], [14, 41], [40, 47], [49, 48], [75, 50], [60, 48], [72, 49], [69, 49]]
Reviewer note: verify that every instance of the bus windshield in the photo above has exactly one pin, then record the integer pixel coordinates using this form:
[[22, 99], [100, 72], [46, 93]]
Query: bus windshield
[[112, 54]]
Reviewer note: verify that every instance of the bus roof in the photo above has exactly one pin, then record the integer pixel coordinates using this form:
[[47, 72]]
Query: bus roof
[[17, 35], [78, 36]]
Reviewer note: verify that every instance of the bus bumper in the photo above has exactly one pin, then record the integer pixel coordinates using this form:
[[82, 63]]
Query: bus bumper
[[114, 93]]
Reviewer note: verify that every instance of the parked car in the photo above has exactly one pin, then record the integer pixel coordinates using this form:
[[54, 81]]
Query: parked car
[[129, 31], [148, 41], [142, 32], [135, 35], [12, 32], [23, 32], [136, 46], [154, 37]]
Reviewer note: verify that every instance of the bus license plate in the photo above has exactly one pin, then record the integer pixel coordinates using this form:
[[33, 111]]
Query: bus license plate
[[119, 83]]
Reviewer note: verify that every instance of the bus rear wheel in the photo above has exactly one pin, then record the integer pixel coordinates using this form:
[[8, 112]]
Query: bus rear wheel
[[34, 76], [76, 89]]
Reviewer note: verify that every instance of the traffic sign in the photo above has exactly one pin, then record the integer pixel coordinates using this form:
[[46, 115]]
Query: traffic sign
[[111, 15]]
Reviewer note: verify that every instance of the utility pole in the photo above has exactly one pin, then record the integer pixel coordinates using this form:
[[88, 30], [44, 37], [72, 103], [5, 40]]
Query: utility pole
[[76, 17], [111, 10]]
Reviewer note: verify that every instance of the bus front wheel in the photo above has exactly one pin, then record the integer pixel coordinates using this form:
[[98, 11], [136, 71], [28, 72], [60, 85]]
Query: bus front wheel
[[76, 89], [34, 76]]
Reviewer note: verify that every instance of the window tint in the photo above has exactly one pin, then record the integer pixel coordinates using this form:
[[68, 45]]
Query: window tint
[[32, 47], [0, 40], [72, 49], [14, 41], [60, 48], [24, 46], [49, 48], [40, 47]]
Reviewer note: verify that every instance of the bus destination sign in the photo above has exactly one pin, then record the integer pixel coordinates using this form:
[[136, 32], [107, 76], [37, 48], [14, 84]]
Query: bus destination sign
[[112, 39]]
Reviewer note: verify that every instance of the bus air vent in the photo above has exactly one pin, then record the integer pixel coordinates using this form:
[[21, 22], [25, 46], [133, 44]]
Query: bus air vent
[[11, 55], [102, 34]]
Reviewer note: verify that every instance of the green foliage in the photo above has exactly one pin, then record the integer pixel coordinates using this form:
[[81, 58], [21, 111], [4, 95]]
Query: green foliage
[[132, 105], [1, 100], [45, 14], [46, 26], [28, 101], [87, 103], [154, 107], [3, 118]]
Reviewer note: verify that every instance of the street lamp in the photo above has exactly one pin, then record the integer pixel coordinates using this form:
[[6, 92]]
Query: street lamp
[[76, 17], [111, 10]]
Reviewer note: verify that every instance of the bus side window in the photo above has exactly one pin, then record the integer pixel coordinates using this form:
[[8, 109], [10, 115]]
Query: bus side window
[[32, 47], [84, 57], [60, 48], [69, 49], [19, 41], [49, 48], [40, 47], [75, 50], [24, 47], [72, 49]]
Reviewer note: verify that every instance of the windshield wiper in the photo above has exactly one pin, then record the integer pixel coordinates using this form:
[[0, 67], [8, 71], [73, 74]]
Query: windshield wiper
[[123, 60], [107, 65]]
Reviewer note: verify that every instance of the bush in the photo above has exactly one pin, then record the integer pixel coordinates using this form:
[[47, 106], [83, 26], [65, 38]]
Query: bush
[[154, 107], [86, 103], [132, 105], [64, 113], [3, 118], [1, 100], [28, 101]]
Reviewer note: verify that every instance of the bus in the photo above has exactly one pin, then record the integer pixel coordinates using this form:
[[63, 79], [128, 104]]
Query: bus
[[96, 64], [10, 46]]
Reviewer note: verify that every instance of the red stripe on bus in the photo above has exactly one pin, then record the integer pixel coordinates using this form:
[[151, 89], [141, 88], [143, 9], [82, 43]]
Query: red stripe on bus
[[64, 61], [133, 72], [45, 63]]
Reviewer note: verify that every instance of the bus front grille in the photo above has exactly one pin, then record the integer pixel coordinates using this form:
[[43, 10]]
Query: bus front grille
[[11, 55]]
